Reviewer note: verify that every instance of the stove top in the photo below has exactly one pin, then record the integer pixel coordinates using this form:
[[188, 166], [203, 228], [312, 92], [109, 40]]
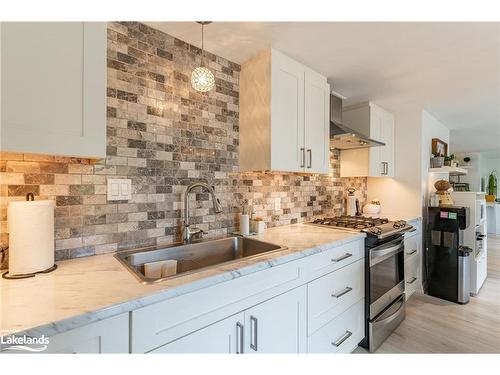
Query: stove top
[[378, 227]]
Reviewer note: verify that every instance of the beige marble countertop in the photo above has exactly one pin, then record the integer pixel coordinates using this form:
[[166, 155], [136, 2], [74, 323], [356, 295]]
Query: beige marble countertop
[[93, 288]]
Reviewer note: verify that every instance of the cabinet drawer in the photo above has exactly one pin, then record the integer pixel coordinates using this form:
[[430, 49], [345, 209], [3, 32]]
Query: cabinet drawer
[[333, 293], [412, 276], [342, 334], [412, 247], [335, 258]]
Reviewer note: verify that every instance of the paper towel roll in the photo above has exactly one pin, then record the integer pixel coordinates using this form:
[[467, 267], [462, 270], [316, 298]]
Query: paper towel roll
[[31, 236], [244, 224]]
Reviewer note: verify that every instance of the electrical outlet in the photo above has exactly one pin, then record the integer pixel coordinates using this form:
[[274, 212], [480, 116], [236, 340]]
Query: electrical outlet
[[277, 204]]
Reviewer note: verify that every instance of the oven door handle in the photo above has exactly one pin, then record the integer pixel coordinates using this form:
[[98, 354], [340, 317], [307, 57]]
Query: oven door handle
[[381, 254], [391, 313]]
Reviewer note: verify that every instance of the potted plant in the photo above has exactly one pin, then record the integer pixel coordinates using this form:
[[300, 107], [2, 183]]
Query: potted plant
[[449, 160], [492, 186], [437, 161]]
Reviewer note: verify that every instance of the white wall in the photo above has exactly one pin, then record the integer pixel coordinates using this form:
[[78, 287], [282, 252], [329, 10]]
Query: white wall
[[488, 165], [431, 128], [407, 193], [401, 194], [475, 170]]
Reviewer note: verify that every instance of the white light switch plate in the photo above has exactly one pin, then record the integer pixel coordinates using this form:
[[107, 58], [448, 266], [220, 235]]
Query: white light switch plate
[[119, 189], [277, 204]]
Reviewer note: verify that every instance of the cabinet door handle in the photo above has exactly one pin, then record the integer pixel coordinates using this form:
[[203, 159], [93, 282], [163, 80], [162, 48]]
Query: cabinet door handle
[[309, 151], [341, 339], [239, 338], [341, 258], [253, 332], [411, 252], [412, 280], [302, 157], [385, 168], [346, 290]]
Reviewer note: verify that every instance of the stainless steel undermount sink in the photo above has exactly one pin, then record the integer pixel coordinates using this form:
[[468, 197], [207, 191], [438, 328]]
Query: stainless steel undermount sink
[[195, 256]]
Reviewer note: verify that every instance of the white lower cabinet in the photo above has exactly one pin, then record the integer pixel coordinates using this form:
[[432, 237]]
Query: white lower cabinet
[[314, 305], [412, 277], [225, 336], [278, 325], [106, 336], [413, 259], [274, 326], [333, 293], [298, 307], [342, 334]]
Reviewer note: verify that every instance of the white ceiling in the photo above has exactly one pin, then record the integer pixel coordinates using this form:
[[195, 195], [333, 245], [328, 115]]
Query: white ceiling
[[450, 69]]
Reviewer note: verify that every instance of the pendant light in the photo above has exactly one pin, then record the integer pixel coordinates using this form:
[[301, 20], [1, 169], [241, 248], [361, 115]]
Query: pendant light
[[202, 79]]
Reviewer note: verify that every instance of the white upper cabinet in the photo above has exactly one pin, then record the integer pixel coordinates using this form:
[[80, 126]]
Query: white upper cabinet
[[287, 114], [53, 88], [284, 116], [378, 124], [317, 123]]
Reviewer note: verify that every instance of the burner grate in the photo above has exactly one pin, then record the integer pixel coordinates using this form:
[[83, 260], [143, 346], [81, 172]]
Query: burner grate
[[351, 222]]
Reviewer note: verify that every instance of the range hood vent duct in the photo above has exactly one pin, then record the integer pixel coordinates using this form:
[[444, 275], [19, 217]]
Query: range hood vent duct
[[343, 137]]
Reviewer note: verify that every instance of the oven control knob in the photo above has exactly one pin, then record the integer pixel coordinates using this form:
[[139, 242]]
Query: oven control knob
[[376, 230]]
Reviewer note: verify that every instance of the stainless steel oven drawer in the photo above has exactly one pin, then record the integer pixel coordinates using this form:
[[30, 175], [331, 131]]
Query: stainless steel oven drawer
[[383, 325]]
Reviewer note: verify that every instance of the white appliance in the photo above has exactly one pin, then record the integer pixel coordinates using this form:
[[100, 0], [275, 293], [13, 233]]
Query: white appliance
[[475, 236], [493, 218]]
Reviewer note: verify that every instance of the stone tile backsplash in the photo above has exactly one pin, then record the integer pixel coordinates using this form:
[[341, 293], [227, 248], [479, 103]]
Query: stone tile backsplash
[[163, 135]]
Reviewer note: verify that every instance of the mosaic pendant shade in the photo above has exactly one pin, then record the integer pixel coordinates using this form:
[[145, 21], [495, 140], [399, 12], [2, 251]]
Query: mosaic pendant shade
[[202, 79]]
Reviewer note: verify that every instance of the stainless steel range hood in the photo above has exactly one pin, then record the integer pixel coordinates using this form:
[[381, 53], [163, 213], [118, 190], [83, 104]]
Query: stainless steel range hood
[[343, 137]]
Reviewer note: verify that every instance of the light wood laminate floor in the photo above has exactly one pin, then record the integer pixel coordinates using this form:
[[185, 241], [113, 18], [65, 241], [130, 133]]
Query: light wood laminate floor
[[433, 325]]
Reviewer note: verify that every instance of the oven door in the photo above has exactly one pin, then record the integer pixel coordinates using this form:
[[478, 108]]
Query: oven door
[[386, 275]]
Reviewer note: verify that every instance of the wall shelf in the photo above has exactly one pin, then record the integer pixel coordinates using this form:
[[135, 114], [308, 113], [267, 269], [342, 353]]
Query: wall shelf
[[452, 171]]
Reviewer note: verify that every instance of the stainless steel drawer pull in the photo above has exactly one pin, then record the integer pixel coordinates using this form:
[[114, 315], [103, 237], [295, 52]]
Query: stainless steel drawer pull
[[303, 157], [341, 258], [411, 252], [341, 340], [346, 290], [411, 281], [239, 338], [253, 332], [309, 151]]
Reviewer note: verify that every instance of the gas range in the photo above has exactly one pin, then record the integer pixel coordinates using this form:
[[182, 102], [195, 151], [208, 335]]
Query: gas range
[[379, 228], [384, 272]]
